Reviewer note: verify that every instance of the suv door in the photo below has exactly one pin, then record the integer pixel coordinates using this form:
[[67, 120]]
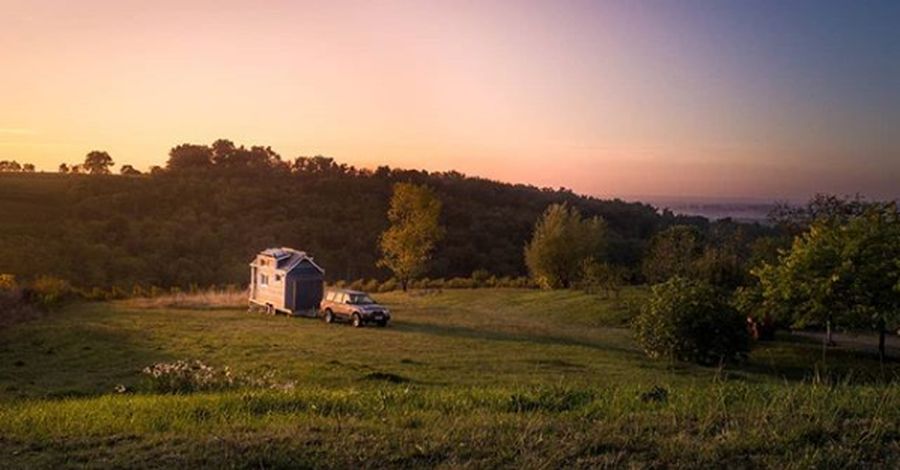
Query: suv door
[[343, 304]]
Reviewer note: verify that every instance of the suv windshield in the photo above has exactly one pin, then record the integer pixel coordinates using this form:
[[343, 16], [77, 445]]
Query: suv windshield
[[360, 299]]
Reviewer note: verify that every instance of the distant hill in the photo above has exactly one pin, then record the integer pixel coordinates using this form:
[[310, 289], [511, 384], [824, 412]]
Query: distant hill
[[202, 226]]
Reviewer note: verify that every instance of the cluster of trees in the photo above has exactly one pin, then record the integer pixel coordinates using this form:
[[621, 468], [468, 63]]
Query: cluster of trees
[[833, 262], [12, 166], [96, 162], [198, 220], [201, 217], [843, 268]]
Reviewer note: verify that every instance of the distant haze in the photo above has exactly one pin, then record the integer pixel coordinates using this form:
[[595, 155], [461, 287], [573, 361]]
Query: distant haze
[[765, 99]]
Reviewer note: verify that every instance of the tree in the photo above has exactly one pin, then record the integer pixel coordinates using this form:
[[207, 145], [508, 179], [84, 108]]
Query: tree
[[601, 277], [795, 220], [28, 168], [690, 320], [63, 168], [98, 162], [673, 252], [561, 243], [408, 243], [841, 270], [129, 170], [10, 166], [190, 157]]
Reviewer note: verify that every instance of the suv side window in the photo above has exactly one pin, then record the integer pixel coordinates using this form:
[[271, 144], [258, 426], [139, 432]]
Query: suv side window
[[329, 296], [343, 298]]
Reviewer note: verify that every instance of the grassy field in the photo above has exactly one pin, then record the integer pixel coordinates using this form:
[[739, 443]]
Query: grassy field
[[478, 378]]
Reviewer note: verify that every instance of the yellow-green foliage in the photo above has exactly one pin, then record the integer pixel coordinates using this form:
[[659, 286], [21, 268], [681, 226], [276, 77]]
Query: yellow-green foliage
[[49, 291], [562, 241], [8, 282], [408, 243]]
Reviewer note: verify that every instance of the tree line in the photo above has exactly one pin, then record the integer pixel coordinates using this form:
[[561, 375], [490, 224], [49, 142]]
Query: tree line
[[199, 219]]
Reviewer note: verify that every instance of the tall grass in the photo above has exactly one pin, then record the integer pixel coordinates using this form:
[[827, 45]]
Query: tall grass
[[709, 424], [223, 298]]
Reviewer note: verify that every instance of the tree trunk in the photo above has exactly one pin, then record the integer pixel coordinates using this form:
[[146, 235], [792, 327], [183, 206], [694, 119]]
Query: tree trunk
[[403, 283], [829, 337], [881, 327]]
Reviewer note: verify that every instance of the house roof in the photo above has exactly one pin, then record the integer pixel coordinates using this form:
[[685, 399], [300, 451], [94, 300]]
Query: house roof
[[287, 259]]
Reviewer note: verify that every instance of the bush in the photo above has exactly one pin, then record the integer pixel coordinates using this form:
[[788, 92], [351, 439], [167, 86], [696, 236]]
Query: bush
[[49, 292], [599, 277], [389, 285], [481, 277], [8, 282], [690, 320], [370, 286], [460, 283]]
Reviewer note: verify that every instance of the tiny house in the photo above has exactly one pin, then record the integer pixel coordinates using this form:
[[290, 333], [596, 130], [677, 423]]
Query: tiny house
[[285, 280]]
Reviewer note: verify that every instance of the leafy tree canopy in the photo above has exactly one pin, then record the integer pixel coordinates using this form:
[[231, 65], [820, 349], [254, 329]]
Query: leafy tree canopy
[[97, 162], [841, 270], [561, 244], [407, 245]]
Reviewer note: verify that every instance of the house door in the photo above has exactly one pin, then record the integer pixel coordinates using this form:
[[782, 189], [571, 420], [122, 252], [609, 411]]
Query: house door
[[307, 294]]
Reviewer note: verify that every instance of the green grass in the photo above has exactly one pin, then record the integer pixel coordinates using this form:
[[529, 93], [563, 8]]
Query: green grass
[[479, 378]]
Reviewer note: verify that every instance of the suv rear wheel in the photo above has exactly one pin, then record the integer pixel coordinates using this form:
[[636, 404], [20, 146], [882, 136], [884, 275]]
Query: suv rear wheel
[[329, 316], [356, 320]]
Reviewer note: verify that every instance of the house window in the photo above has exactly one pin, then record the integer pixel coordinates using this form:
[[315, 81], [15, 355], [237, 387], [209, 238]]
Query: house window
[[278, 278], [263, 280]]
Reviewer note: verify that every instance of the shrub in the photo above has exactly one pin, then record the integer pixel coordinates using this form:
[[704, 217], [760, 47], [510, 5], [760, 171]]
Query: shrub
[[480, 277], [599, 277], [427, 283], [389, 285], [49, 292], [371, 285], [8, 282], [690, 320], [460, 283]]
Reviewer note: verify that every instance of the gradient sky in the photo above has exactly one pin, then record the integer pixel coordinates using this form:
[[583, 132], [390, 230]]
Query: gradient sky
[[766, 99]]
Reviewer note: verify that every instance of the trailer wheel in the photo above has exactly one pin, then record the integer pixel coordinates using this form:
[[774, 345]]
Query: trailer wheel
[[329, 317]]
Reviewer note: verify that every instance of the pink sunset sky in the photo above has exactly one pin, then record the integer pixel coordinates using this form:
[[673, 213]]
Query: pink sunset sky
[[719, 99]]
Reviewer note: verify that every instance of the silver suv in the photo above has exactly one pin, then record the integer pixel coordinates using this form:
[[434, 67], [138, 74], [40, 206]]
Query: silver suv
[[353, 305]]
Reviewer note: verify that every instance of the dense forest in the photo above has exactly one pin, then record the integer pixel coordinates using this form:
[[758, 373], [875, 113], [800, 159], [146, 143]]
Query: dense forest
[[199, 220]]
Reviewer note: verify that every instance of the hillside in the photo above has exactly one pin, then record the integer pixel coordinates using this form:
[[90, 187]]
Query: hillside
[[508, 378], [191, 227]]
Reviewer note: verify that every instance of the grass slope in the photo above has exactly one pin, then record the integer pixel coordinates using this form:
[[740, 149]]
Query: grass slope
[[478, 378]]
